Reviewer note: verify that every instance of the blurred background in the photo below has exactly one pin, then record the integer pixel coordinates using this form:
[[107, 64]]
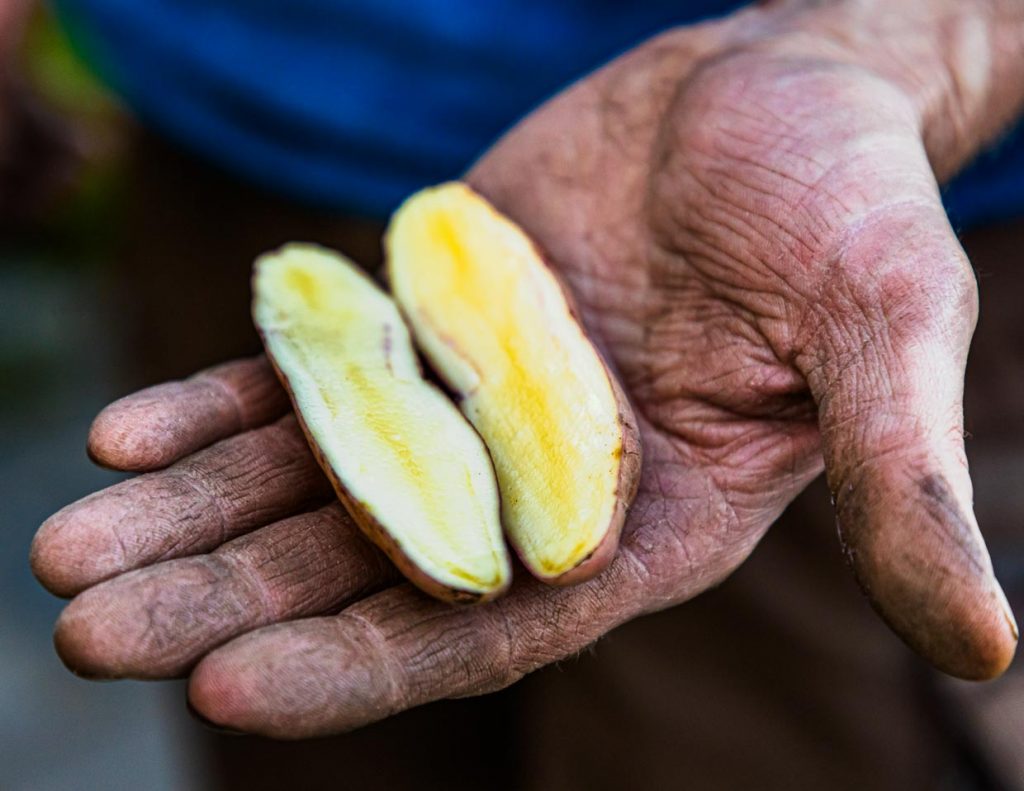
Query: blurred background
[[124, 261], [58, 364]]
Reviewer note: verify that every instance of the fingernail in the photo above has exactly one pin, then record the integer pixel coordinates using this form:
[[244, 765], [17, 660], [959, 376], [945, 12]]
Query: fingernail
[[209, 724]]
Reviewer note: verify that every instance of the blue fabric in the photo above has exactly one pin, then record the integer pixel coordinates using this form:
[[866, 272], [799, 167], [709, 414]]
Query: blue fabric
[[354, 104], [992, 188]]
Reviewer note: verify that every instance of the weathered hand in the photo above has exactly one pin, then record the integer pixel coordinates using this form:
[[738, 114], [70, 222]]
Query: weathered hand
[[748, 216]]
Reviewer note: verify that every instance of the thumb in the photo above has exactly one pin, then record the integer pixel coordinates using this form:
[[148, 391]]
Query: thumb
[[886, 368]]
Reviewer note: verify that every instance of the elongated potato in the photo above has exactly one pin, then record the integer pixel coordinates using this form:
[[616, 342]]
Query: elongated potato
[[495, 323], [409, 468]]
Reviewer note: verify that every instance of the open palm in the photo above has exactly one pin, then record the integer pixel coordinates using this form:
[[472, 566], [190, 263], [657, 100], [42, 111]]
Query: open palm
[[750, 224]]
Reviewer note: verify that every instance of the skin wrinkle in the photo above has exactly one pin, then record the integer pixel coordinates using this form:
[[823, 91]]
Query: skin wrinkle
[[121, 559], [229, 396], [659, 558], [721, 275], [765, 194], [864, 147], [713, 148], [508, 662], [209, 609], [264, 591], [304, 570], [358, 644], [163, 535], [747, 450], [740, 336], [195, 480], [398, 679], [751, 160], [215, 484]]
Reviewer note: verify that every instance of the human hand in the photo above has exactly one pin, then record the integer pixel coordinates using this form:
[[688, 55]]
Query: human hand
[[747, 214]]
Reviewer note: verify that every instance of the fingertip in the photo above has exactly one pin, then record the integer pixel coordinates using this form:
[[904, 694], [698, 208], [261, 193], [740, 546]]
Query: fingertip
[[999, 638], [211, 695], [55, 556], [295, 680], [81, 545], [980, 639], [38, 562], [209, 724], [127, 438], [226, 695], [81, 650], [954, 615], [915, 548], [961, 625]]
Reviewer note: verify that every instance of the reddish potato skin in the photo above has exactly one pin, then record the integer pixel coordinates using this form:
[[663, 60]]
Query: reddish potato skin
[[368, 524]]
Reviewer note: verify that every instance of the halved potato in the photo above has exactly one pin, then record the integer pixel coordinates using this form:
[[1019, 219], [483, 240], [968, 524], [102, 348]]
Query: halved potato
[[494, 322], [409, 468]]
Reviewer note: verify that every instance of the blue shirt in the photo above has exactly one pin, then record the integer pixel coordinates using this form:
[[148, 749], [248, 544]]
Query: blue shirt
[[354, 104]]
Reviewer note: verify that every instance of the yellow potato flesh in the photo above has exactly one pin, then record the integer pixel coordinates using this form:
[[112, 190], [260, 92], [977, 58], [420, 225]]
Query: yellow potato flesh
[[397, 445], [494, 322]]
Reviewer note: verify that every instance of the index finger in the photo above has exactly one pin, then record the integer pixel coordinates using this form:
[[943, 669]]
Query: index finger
[[156, 427]]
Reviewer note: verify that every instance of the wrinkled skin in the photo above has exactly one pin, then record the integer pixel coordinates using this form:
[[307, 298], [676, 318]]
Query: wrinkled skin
[[749, 220]]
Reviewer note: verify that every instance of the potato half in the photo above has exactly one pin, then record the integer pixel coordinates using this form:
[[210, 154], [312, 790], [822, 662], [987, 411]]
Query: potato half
[[409, 468], [495, 323]]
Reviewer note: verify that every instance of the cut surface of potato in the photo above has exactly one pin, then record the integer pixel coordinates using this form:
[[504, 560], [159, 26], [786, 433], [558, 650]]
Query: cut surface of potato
[[494, 322], [413, 473]]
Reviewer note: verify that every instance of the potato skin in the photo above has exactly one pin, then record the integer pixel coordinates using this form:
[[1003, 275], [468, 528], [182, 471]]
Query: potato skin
[[369, 525]]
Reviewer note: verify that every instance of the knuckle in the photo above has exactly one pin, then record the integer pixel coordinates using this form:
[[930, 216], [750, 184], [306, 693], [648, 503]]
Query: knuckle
[[897, 279], [499, 655]]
